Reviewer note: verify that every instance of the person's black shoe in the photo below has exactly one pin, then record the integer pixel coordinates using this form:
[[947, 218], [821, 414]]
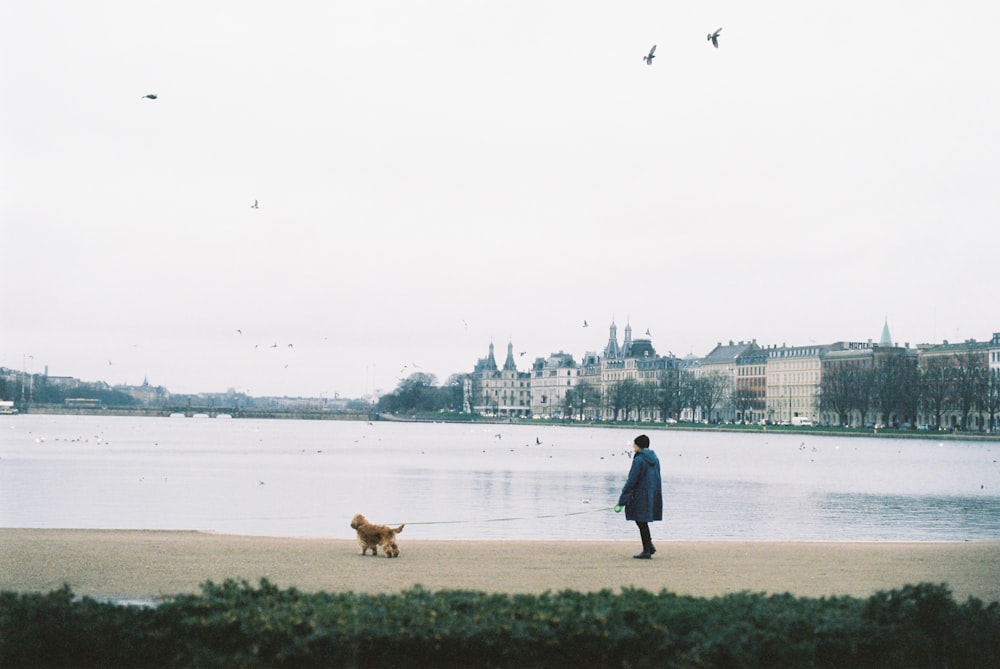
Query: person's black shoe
[[643, 556], [651, 550]]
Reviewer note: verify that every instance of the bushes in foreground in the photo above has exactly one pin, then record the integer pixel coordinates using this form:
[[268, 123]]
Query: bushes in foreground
[[237, 625]]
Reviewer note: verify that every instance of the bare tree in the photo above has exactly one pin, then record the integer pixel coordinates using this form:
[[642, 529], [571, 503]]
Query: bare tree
[[668, 394], [712, 391], [935, 388], [969, 385], [991, 405], [836, 389], [744, 401], [890, 394]]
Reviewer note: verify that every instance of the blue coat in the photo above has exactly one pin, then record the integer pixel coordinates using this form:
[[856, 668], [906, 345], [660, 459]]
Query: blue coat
[[642, 495]]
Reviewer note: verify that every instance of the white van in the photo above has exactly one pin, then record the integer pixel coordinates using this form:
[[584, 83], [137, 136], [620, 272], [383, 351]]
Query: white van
[[801, 421]]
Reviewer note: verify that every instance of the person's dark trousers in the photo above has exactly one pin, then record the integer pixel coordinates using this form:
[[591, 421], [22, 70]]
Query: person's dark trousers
[[647, 541]]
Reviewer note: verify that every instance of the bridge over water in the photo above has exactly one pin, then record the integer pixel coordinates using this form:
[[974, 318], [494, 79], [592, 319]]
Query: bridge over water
[[191, 411]]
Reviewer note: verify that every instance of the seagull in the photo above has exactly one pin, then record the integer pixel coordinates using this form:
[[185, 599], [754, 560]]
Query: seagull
[[585, 324], [647, 333], [649, 56], [254, 205], [714, 37], [151, 96]]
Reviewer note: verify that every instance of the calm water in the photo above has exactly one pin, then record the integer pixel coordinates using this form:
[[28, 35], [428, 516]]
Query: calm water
[[307, 478]]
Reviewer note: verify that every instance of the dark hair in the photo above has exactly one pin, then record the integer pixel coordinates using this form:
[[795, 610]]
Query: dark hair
[[642, 441]]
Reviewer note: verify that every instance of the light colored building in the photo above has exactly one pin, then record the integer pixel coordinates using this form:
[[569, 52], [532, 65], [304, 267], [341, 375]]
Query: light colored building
[[793, 382], [954, 383], [723, 363], [499, 391], [750, 399], [552, 379]]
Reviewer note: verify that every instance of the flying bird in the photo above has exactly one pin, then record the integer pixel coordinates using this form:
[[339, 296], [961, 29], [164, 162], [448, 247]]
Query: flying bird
[[254, 205], [648, 333], [151, 96], [714, 38], [650, 56], [585, 324]]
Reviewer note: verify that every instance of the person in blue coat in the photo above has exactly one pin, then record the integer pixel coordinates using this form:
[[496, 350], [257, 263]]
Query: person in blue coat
[[642, 495]]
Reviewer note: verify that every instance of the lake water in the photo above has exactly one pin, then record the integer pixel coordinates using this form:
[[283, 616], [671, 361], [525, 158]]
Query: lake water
[[307, 478]]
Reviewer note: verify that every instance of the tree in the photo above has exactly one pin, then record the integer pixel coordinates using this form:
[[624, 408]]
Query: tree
[[991, 406], [744, 401], [623, 398], [417, 392], [969, 385], [935, 388], [580, 396], [645, 399], [837, 389], [890, 395], [455, 387], [687, 393], [668, 394], [711, 391]]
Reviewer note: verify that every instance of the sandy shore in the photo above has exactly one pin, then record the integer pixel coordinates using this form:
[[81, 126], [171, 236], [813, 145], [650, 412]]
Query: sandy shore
[[143, 564]]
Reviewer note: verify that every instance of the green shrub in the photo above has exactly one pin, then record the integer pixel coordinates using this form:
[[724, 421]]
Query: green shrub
[[237, 625]]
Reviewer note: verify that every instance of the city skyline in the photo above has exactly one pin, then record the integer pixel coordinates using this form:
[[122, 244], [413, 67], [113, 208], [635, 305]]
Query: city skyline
[[522, 359], [323, 195]]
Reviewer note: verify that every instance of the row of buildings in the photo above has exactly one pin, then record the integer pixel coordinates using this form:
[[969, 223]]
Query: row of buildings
[[759, 383]]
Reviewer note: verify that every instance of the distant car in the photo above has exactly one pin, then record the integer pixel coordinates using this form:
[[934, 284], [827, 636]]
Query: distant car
[[671, 421], [924, 426]]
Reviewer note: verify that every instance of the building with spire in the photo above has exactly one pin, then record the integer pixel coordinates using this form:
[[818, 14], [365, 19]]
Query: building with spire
[[499, 391], [869, 383], [886, 339]]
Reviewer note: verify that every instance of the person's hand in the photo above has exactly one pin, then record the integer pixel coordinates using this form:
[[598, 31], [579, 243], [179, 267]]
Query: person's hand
[[618, 508]]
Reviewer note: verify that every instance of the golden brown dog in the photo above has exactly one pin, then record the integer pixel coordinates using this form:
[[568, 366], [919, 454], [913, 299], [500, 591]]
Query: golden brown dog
[[373, 536]]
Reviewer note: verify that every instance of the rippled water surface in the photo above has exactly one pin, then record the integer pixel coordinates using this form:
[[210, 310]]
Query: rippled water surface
[[307, 478]]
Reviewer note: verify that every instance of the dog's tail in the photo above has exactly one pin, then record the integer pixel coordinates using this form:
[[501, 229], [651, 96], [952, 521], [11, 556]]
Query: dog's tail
[[400, 528]]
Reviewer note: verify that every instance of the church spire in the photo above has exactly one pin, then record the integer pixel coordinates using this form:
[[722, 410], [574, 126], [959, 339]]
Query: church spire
[[611, 351], [509, 365], [886, 340]]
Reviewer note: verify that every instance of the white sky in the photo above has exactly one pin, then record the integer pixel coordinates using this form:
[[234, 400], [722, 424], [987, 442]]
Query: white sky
[[436, 175]]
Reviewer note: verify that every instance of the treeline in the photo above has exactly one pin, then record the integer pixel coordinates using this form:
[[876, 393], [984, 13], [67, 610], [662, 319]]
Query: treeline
[[237, 625], [37, 388], [898, 392], [419, 393]]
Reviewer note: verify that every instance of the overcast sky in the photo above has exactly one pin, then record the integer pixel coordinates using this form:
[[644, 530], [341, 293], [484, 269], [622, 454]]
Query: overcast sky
[[434, 176]]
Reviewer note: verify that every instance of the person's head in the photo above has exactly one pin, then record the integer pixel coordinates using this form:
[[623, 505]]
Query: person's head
[[641, 442]]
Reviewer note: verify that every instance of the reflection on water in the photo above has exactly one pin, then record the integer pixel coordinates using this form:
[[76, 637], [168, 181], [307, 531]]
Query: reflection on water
[[942, 518], [307, 478]]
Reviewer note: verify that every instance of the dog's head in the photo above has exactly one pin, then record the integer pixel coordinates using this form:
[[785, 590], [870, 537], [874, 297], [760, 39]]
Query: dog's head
[[357, 521]]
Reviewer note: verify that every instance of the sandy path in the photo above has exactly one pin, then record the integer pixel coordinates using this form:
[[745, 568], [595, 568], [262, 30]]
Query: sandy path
[[142, 564]]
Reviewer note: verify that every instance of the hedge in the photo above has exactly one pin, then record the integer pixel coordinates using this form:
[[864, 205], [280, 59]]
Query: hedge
[[238, 625]]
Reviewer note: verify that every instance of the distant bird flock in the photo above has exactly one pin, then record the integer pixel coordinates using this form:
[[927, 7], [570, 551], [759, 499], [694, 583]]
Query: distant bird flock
[[713, 37]]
